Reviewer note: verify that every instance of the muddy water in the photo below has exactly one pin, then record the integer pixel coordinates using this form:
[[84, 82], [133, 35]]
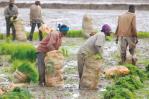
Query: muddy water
[[73, 18]]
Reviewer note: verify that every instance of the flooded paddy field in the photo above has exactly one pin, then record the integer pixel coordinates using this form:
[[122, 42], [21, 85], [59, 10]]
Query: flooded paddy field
[[73, 18], [70, 89]]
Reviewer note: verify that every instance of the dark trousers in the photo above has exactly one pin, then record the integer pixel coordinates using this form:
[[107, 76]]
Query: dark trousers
[[33, 25], [41, 66], [10, 25]]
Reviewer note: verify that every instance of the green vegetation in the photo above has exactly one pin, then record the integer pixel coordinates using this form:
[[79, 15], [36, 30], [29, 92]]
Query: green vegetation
[[129, 82], [17, 93], [118, 92], [109, 38], [74, 33], [36, 35], [29, 70], [143, 34], [64, 51], [147, 70], [134, 70], [125, 86], [1, 36], [22, 51]]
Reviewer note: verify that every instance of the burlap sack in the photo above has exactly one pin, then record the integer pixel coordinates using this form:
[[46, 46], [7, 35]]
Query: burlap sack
[[19, 27], [19, 77], [116, 71], [91, 70], [54, 69], [87, 25]]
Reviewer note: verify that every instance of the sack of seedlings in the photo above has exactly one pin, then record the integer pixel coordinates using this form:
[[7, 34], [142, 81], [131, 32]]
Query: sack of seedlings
[[19, 27], [116, 71], [87, 25], [54, 69], [91, 71], [19, 77]]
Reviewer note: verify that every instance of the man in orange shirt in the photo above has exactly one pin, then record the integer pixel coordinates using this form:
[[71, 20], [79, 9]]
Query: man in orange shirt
[[126, 32], [51, 42]]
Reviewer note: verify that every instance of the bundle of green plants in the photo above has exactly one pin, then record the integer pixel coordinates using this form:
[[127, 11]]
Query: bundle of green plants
[[130, 82], [64, 51], [74, 33], [109, 38], [15, 64], [36, 35], [118, 92], [17, 93], [30, 71], [143, 34], [7, 48], [22, 51], [134, 70]]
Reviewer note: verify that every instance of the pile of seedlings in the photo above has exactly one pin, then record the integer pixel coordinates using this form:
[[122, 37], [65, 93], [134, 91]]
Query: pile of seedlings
[[124, 86], [22, 51], [23, 56]]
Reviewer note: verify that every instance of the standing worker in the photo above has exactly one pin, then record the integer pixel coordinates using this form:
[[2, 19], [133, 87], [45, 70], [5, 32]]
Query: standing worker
[[11, 11], [126, 32], [92, 46], [51, 42], [35, 19]]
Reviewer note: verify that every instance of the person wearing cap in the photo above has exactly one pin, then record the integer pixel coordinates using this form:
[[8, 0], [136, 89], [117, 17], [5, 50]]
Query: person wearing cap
[[51, 42], [127, 34], [35, 19], [92, 46], [11, 11]]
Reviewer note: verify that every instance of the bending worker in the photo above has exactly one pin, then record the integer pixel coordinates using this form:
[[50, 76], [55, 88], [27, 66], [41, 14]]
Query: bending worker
[[92, 46], [51, 42]]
